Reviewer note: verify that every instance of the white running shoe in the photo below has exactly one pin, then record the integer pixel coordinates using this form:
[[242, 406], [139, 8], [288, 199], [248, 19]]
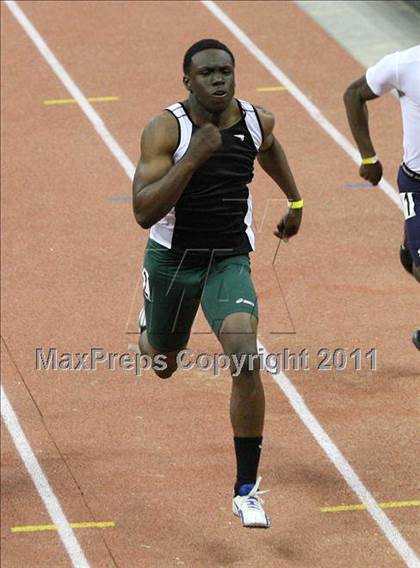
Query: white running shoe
[[249, 507]]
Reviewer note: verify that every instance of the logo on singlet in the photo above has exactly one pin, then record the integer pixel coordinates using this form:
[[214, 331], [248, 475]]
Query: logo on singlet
[[240, 136]]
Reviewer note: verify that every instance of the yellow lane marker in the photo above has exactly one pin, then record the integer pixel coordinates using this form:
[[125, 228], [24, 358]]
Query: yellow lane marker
[[73, 101], [388, 505], [39, 528], [271, 89]]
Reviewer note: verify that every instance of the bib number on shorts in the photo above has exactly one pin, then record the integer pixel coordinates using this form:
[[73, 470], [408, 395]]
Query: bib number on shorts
[[408, 205]]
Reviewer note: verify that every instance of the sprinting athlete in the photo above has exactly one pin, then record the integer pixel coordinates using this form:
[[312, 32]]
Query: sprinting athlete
[[191, 190], [400, 71]]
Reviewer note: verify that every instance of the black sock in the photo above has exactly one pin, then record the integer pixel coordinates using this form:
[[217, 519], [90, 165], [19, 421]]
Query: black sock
[[248, 452]]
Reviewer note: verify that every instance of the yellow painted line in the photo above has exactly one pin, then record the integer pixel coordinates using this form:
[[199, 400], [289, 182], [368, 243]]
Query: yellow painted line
[[388, 505], [39, 528], [271, 89], [73, 101]]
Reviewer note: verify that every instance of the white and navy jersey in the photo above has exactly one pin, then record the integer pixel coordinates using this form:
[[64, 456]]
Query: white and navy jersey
[[401, 71], [215, 210]]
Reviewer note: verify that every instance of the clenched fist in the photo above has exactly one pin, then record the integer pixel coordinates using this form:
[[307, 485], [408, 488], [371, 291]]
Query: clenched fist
[[204, 142], [371, 172], [289, 225]]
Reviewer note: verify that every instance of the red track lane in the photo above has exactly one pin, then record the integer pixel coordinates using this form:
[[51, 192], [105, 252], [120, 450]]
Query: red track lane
[[155, 456]]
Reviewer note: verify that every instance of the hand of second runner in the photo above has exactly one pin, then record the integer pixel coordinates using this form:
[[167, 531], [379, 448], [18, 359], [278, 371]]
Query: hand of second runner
[[371, 172]]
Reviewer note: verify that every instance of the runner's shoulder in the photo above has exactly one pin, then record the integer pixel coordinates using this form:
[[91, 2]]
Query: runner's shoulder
[[267, 119], [162, 132]]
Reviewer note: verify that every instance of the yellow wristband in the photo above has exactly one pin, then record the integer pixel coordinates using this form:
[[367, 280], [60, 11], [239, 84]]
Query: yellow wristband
[[371, 160], [296, 204]]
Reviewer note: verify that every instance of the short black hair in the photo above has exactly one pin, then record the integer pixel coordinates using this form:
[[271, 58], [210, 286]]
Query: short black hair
[[201, 46]]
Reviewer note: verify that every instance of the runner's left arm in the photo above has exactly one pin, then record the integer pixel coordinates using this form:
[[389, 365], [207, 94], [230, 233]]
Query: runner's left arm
[[355, 98], [273, 161]]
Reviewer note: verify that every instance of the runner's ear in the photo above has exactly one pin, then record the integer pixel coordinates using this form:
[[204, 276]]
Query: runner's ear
[[186, 81]]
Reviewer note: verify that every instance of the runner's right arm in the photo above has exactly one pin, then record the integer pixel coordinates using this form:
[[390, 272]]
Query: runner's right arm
[[158, 182]]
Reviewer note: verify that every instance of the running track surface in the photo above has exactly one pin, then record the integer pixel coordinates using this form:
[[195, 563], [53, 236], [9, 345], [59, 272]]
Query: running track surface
[[155, 457]]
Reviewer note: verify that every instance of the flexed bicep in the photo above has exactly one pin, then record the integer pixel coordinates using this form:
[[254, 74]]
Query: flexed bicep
[[159, 182], [150, 170], [156, 149]]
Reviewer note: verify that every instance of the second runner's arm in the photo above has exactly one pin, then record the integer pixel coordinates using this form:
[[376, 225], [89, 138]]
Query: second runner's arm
[[355, 98]]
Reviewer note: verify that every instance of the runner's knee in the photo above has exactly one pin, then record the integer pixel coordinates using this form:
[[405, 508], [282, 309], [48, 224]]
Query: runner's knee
[[168, 364], [238, 333], [239, 341], [166, 373], [407, 262], [405, 259]]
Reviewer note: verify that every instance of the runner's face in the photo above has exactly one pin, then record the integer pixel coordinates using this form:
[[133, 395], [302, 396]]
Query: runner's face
[[211, 79]]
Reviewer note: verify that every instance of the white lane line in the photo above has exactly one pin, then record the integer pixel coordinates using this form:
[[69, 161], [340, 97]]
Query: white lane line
[[40, 481], [297, 402], [295, 399], [301, 98], [72, 88]]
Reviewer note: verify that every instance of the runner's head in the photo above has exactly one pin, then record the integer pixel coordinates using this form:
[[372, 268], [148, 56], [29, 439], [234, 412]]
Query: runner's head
[[209, 74]]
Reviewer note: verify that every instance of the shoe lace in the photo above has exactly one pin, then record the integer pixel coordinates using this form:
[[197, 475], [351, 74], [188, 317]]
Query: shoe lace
[[253, 499]]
